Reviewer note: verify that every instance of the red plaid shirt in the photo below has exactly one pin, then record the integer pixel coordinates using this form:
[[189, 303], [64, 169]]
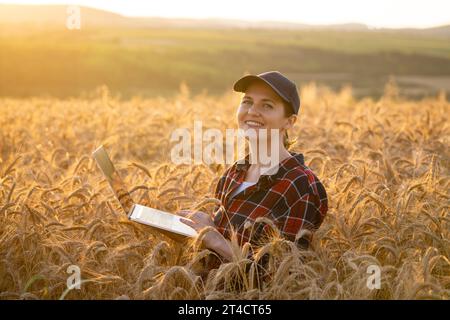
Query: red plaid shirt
[[293, 198]]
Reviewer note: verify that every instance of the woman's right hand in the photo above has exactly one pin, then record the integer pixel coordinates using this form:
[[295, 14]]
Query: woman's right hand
[[213, 239]]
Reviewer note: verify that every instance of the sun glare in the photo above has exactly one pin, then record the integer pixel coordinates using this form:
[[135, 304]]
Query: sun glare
[[380, 13]]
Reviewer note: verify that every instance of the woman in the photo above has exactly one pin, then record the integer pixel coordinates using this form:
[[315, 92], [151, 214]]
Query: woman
[[292, 198]]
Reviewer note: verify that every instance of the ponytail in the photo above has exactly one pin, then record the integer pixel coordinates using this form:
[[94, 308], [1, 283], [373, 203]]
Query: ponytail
[[287, 113]]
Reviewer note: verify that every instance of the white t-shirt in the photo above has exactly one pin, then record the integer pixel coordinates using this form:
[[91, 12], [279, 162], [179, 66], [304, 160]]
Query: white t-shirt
[[244, 185]]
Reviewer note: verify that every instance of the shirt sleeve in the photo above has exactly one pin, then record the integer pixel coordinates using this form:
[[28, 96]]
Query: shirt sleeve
[[302, 220], [218, 194], [305, 211]]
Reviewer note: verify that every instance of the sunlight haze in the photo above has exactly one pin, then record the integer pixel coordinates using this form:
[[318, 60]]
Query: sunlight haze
[[381, 13]]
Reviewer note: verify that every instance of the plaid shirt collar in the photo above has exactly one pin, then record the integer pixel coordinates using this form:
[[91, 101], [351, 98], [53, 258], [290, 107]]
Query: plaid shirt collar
[[283, 167], [265, 180]]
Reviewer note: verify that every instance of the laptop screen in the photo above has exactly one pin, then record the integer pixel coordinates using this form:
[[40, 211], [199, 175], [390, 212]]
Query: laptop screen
[[114, 180]]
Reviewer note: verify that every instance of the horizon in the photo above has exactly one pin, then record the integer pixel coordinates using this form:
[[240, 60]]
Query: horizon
[[382, 15]]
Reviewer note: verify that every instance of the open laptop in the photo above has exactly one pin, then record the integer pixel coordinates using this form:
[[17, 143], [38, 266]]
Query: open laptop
[[166, 223]]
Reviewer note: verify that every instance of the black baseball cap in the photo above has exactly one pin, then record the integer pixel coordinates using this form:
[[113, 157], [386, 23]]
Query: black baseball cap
[[284, 87]]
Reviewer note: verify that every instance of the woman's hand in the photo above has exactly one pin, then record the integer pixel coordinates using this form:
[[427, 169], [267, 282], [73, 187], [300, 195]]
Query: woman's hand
[[199, 220], [196, 219], [213, 240]]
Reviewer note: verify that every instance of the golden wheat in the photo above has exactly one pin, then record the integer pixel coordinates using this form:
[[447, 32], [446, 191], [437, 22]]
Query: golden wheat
[[385, 165]]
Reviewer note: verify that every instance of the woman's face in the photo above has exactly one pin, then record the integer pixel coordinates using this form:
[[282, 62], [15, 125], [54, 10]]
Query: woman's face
[[262, 108]]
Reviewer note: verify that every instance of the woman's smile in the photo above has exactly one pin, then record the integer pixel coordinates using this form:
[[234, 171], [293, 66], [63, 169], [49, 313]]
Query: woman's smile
[[254, 124]]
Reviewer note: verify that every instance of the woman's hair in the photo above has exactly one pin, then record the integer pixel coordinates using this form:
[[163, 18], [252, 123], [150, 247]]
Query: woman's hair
[[287, 113]]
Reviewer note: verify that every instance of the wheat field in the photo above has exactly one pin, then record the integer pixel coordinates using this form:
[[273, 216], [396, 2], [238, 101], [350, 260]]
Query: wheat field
[[384, 163]]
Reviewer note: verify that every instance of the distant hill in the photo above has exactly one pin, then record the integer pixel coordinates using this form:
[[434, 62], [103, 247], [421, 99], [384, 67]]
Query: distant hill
[[153, 55], [54, 15], [443, 31]]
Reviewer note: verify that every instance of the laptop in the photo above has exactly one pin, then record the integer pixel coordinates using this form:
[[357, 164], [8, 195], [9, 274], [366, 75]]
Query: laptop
[[166, 223]]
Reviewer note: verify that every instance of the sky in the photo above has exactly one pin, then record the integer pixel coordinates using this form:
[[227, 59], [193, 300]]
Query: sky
[[374, 13]]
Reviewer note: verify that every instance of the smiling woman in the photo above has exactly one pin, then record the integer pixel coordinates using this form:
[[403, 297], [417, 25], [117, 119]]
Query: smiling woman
[[269, 105], [288, 195]]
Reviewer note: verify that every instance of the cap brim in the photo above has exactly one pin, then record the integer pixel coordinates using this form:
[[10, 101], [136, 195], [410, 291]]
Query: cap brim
[[242, 84]]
